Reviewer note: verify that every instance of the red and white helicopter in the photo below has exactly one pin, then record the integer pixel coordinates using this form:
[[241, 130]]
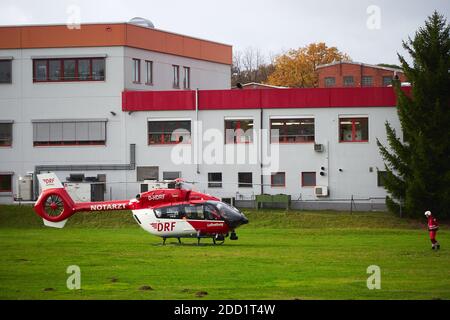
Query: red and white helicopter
[[167, 213]]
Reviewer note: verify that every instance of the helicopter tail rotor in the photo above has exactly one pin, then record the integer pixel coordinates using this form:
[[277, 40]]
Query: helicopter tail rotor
[[54, 204]]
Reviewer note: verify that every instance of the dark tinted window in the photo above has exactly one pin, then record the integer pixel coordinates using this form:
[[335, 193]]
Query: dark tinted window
[[245, 179], [5, 183], [169, 132], [381, 175], [5, 134], [278, 179], [308, 179], [172, 212], [5, 71], [215, 180]]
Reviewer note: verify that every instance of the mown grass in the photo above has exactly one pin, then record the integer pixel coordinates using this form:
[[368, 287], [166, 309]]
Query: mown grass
[[279, 255]]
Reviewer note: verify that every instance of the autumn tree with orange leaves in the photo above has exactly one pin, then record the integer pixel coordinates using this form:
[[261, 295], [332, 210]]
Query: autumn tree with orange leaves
[[297, 68]]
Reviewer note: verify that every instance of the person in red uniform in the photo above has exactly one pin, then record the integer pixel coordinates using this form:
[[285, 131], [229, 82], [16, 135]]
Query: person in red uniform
[[433, 227]]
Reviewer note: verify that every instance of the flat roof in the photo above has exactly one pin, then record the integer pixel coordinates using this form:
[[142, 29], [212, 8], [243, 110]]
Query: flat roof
[[359, 64], [113, 34], [261, 99]]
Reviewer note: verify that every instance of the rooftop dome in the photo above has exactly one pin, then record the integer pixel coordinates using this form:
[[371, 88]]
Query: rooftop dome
[[142, 22]]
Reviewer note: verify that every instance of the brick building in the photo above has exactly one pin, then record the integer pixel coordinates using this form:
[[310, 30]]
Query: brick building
[[356, 74]]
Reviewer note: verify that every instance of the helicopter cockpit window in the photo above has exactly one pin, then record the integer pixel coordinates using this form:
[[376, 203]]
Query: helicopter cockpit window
[[211, 212], [173, 212], [194, 212]]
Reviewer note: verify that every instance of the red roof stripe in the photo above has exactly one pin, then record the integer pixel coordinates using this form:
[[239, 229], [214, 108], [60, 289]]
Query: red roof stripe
[[260, 98]]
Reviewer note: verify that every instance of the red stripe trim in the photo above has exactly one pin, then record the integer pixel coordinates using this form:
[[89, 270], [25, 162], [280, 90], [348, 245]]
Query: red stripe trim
[[260, 98]]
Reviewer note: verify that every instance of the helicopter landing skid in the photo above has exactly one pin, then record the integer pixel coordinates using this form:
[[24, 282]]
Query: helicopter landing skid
[[217, 239]]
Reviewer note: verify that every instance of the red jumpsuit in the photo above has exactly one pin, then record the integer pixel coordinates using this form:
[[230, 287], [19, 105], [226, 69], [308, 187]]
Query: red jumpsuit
[[433, 227]]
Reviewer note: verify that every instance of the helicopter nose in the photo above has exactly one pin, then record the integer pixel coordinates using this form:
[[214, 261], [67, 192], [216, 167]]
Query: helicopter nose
[[244, 220]]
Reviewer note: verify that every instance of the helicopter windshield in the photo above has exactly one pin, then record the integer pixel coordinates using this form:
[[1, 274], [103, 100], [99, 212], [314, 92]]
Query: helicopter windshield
[[229, 213]]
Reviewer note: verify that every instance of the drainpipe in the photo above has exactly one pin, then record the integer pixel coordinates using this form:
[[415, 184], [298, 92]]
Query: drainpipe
[[196, 132], [84, 167], [360, 75], [261, 114]]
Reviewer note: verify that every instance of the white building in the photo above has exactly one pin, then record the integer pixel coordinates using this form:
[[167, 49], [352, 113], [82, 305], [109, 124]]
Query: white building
[[89, 101]]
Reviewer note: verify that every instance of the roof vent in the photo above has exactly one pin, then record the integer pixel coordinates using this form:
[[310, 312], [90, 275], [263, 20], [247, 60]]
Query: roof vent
[[142, 22]]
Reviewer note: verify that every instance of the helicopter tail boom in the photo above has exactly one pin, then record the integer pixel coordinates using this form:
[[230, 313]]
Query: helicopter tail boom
[[55, 205]]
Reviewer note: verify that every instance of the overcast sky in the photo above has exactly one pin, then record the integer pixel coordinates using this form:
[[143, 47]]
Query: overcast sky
[[369, 31]]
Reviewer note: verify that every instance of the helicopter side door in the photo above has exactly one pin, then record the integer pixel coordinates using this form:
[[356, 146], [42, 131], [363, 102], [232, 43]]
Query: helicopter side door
[[205, 218], [171, 222]]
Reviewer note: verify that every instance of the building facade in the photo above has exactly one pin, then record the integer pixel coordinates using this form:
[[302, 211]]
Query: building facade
[[118, 104], [60, 90], [355, 74], [323, 137]]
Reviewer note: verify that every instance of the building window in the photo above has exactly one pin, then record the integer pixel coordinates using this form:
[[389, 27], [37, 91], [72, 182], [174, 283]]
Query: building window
[[367, 81], [147, 173], [353, 129], [292, 130], [149, 72], [5, 71], [330, 82], [387, 81], [245, 180], [40, 70], [171, 175], [5, 134], [349, 81], [54, 70], [73, 69], [381, 175], [82, 69], [136, 70], [98, 69], [5, 182], [176, 76], [69, 133], [169, 132], [186, 77], [214, 179], [278, 179], [238, 131], [308, 179], [69, 69]]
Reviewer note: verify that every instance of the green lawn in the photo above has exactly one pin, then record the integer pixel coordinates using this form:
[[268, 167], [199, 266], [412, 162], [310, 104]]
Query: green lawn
[[279, 255]]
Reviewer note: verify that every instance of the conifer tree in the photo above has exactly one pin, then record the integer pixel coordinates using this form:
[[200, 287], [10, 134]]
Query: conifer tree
[[418, 164]]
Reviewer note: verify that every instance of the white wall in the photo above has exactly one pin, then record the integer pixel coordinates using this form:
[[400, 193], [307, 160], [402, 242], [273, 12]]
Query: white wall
[[354, 159], [24, 101], [204, 74]]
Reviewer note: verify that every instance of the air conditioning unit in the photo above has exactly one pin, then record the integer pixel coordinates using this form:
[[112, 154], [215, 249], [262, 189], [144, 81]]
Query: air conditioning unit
[[25, 188], [79, 191], [318, 147], [321, 191], [150, 185]]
